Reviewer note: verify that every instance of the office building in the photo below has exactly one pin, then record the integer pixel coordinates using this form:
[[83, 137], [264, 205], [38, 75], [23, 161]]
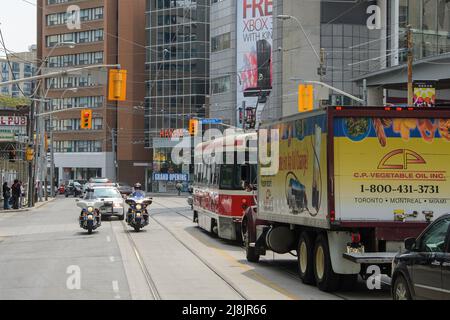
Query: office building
[[177, 69], [94, 32]]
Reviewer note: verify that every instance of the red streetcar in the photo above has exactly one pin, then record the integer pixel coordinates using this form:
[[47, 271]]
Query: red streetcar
[[221, 191]]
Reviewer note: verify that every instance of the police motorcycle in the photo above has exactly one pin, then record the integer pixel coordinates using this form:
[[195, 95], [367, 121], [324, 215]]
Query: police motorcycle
[[137, 216], [90, 218]]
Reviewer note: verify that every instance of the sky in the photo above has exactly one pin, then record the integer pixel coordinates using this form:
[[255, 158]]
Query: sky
[[18, 24]]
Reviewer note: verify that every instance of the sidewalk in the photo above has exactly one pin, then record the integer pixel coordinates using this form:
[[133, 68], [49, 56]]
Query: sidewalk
[[36, 206]]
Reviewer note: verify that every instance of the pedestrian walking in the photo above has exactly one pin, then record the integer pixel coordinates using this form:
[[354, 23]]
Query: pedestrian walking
[[6, 195], [15, 190], [179, 186], [22, 194]]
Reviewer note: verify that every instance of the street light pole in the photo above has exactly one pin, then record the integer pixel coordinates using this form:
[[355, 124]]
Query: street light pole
[[321, 71], [362, 101]]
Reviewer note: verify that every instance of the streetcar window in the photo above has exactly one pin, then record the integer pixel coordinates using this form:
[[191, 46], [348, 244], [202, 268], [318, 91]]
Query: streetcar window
[[230, 177]]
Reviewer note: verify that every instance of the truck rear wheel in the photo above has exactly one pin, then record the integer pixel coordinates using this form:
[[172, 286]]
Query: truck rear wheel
[[326, 279], [250, 252], [305, 259]]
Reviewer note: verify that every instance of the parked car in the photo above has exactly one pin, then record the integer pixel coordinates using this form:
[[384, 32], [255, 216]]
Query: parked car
[[423, 271], [62, 189], [73, 189], [124, 188]]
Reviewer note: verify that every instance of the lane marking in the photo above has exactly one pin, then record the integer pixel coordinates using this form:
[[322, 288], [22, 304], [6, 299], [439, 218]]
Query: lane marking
[[112, 259], [115, 285], [108, 239]]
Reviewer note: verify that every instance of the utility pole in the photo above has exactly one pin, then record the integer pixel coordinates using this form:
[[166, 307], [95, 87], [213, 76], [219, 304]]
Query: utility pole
[[409, 39], [52, 160], [113, 136], [30, 163], [322, 71]]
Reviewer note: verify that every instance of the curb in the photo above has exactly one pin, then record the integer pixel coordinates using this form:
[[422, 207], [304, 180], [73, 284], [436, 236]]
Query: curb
[[36, 206]]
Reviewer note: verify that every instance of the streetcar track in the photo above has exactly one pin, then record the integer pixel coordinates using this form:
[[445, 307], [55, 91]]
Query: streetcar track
[[205, 262], [287, 271], [148, 278]]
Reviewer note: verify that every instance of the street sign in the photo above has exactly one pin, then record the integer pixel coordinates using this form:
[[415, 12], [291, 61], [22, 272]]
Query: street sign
[[211, 121], [170, 177]]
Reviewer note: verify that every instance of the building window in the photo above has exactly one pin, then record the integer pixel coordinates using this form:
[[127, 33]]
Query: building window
[[89, 14], [220, 42], [77, 146], [221, 85]]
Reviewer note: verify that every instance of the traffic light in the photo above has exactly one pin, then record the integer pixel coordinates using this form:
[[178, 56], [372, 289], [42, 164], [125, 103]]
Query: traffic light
[[193, 127], [86, 119], [305, 98], [117, 85], [30, 154]]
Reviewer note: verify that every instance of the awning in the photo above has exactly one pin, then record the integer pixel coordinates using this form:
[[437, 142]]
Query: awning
[[433, 68]]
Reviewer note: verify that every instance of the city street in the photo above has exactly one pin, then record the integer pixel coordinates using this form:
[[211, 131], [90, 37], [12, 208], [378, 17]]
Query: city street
[[45, 255]]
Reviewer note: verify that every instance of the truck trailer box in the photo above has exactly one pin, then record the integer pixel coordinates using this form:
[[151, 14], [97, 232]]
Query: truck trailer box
[[351, 167]]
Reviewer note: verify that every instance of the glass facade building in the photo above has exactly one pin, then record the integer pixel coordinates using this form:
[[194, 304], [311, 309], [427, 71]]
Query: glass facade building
[[177, 68], [351, 48], [430, 23], [177, 64]]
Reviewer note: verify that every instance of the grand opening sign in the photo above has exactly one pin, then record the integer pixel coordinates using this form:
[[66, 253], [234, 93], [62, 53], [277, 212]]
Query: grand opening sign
[[13, 121]]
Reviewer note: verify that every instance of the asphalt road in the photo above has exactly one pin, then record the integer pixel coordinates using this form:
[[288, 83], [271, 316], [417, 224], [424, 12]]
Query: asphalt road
[[45, 255]]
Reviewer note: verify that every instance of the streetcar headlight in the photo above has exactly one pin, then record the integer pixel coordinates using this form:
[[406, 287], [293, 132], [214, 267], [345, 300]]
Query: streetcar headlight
[[90, 209], [138, 207]]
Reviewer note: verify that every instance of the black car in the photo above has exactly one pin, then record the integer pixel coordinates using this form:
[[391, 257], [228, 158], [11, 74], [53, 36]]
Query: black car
[[73, 189], [423, 271], [124, 189]]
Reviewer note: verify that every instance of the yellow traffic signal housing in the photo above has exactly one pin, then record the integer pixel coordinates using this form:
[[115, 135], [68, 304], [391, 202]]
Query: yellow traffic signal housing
[[305, 98], [86, 119], [117, 89], [30, 154], [46, 142], [193, 127]]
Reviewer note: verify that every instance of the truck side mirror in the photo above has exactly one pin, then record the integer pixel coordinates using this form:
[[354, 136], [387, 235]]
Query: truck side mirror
[[410, 244]]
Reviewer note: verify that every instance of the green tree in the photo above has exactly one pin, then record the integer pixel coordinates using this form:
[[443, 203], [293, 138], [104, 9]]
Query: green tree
[[9, 102]]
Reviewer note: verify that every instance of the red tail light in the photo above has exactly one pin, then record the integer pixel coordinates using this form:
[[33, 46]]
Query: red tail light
[[332, 216], [356, 238]]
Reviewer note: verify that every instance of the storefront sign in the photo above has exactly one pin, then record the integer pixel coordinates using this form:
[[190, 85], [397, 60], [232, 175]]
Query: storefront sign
[[424, 94], [172, 133], [183, 177], [13, 121], [7, 136]]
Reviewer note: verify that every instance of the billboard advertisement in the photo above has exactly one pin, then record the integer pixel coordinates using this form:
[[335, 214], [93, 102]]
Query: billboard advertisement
[[298, 191], [392, 169], [254, 56]]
